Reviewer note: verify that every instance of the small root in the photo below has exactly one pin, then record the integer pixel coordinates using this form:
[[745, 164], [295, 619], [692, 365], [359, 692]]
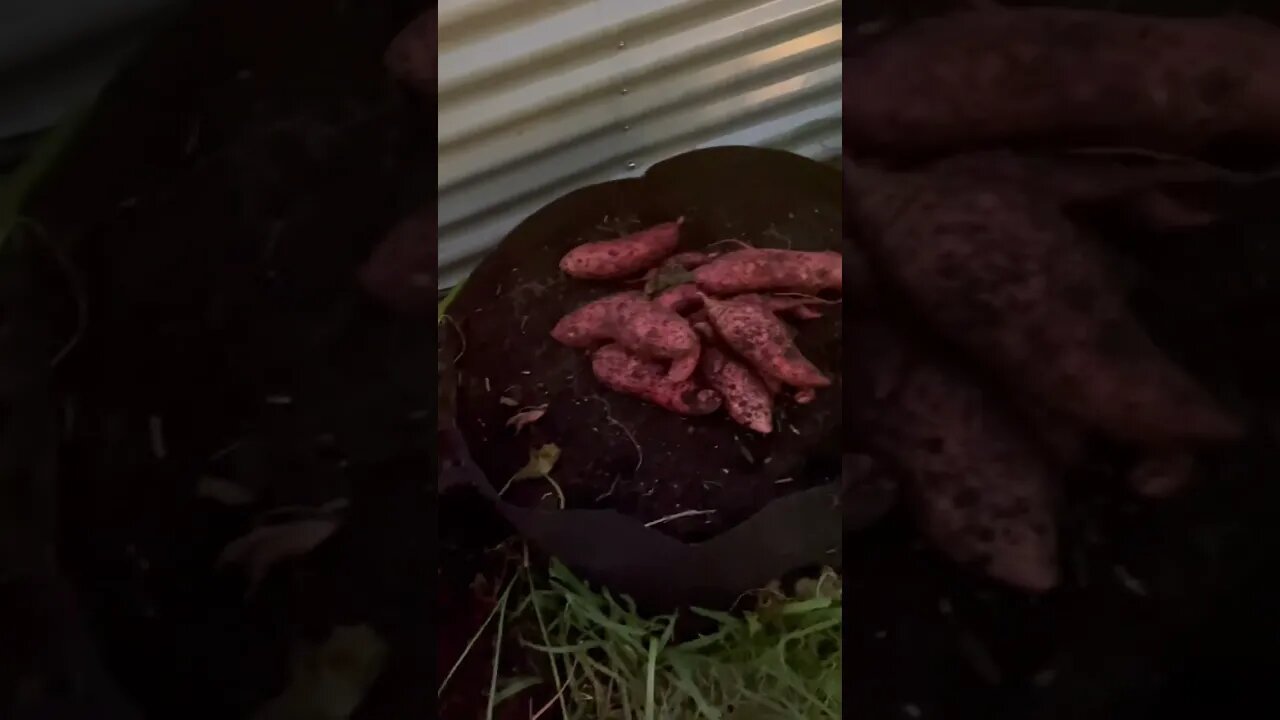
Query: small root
[[734, 241], [608, 415], [772, 232], [462, 337], [679, 516], [556, 486], [608, 492]]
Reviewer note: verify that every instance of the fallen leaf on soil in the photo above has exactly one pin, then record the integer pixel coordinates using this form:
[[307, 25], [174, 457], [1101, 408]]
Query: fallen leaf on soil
[[329, 681], [541, 462], [263, 547], [667, 276], [223, 491], [526, 416]]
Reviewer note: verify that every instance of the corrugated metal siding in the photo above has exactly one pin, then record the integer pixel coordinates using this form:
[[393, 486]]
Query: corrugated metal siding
[[538, 97]]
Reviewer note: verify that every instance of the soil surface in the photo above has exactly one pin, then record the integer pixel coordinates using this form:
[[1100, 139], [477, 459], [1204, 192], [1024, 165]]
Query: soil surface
[[617, 451], [216, 210]]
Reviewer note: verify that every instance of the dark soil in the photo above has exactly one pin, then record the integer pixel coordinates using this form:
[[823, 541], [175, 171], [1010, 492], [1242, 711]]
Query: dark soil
[[617, 451], [216, 210]]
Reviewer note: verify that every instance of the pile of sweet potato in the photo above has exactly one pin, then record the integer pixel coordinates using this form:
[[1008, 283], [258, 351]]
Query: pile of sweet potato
[[707, 331], [1002, 345]]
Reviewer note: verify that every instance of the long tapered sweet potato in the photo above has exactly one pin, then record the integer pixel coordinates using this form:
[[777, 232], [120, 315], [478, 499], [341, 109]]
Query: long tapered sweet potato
[[763, 269], [746, 397], [1064, 76], [755, 333], [401, 272], [411, 57], [639, 324], [626, 372], [982, 492], [624, 256], [1005, 275]]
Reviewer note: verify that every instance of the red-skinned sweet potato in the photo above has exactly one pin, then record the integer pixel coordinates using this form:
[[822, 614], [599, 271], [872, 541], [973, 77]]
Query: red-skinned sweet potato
[[401, 272], [682, 299], [691, 259], [1002, 273], [638, 324], [626, 372], [1059, 75], [1087, 176], [746, 397], [759, 269], [755, 333], [982, 492], [624, 256], [411, 57]]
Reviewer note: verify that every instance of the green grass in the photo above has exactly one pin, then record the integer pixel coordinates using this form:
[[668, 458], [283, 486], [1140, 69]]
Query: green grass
[[781, 660]]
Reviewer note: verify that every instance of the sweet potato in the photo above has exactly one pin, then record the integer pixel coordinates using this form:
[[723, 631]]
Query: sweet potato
[[624, 256], [690, 260], [798, 307], [640, 325], [680, 299], [1084, 176], [746, 397], [756, 334], [626, 372], [1005, 275], [411, 57], [401, 272], [982, 492], [1059, 75], [756, 270]]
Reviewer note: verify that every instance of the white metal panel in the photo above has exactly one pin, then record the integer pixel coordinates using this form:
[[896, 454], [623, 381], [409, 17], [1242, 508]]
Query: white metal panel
[[538, 97]]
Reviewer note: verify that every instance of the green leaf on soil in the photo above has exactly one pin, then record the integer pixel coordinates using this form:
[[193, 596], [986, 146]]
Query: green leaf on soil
[[668, 276], [330, 681], [541, 462]]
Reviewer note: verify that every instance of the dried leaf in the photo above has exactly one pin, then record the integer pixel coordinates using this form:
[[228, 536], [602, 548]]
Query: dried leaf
[[223, 491], [526, 416], [263, 547], [667, 276], [541, 462], [330, 681]]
